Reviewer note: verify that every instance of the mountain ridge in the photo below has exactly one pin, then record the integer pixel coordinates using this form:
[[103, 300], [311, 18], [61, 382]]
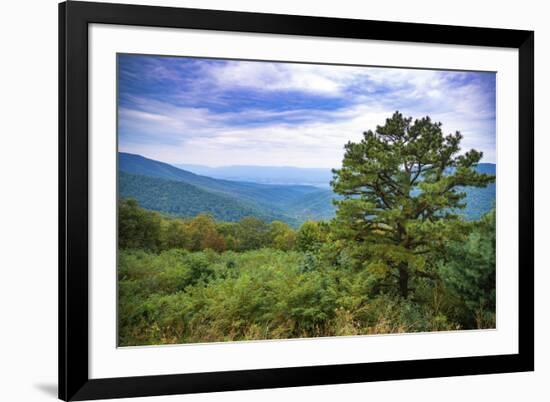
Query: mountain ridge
[[291, 203], [285, 175], [269, 200], [182, 199]]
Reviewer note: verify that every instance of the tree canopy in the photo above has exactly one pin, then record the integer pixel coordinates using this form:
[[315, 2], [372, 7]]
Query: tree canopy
[[401, 187], [398, 257]]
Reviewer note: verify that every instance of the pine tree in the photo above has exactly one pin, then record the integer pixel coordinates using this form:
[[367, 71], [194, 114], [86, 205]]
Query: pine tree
[[401, 190]]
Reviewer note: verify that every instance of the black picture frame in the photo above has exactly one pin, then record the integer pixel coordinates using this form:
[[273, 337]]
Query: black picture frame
[[74, 381]]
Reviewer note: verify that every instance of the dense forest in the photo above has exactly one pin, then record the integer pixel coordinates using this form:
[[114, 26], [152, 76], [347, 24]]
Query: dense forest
[[397, 256], [164, 188], [168, 189], [181, 199]]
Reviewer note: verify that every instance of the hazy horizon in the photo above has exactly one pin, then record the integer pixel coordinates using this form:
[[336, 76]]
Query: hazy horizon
[[247, 165], [269, 166]]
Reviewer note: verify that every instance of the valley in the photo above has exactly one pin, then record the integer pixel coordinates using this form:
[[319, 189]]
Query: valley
[[168, 189]]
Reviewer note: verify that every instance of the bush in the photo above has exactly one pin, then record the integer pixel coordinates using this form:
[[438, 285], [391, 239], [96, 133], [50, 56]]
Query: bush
[[198, 280]]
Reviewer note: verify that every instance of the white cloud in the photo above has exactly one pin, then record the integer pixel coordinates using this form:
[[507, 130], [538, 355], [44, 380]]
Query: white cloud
[[322, 80], [318, 142], [307, 138]]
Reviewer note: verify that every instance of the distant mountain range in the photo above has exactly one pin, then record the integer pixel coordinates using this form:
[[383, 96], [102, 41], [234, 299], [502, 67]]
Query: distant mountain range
[[289, 194], [319, 177], [166, 188]]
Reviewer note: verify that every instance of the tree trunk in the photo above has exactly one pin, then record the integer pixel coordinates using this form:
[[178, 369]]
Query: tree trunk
[[403, 266], [404, 280]]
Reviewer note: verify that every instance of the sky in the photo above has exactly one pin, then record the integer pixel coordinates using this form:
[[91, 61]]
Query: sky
[[219, 112]]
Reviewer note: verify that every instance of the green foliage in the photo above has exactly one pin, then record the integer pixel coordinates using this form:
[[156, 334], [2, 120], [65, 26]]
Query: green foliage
[[169, 294], [142, 229], [182, 297], [164, 188], [282, 236], [203, 234], [397, 258], [252, 233], [137, 228], [470, 272], [212, 297], [182, 199], [311, 236], [401, 185]]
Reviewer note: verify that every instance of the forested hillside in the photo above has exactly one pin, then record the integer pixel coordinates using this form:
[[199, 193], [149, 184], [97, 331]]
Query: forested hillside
[[290, 203], [231, 200], [202, 280], [398, 256], [181, 199]]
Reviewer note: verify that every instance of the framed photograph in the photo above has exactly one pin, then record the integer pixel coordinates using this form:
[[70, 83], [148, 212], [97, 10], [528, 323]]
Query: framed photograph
[[258, 201]]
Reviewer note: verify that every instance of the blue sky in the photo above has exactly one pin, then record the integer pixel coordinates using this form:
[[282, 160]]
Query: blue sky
[[224, 112]]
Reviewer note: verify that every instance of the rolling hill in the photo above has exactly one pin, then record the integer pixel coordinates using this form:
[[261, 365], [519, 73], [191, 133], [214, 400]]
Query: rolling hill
[[269, 202], [178, 198], [166, 188], [269, 195]]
